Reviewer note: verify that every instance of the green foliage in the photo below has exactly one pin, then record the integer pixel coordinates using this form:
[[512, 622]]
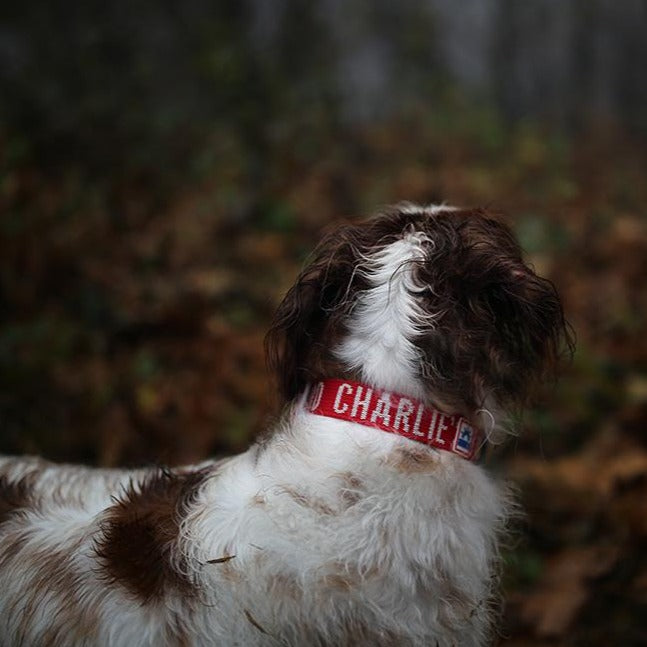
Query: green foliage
[[522, 568], [538, 235]]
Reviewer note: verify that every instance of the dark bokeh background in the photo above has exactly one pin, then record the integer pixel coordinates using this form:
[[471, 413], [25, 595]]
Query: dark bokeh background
[[165, 168]]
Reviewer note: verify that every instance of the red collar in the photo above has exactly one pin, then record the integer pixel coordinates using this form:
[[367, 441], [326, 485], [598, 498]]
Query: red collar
[[394, 413]]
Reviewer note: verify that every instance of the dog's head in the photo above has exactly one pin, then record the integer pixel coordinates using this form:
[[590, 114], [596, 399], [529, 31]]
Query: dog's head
[[433, 302]]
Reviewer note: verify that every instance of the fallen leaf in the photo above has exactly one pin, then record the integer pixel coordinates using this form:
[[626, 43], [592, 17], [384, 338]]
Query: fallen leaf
[[563, 588]]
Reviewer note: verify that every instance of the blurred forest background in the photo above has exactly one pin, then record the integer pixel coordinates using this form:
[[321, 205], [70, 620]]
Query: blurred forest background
[[165, 167]]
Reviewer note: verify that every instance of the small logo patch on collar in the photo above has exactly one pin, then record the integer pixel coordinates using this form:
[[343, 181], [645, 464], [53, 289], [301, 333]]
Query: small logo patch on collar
[[393, 413]]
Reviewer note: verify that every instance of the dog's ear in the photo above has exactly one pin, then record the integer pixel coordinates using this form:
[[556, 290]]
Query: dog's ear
[[311, 315], [530, 333], [505, 329]]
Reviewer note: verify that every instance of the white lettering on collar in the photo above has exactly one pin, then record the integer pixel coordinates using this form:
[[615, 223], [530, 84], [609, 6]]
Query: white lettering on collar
[[404, 410], [361, 402], [437, 423], [382, 410], [339, 406]]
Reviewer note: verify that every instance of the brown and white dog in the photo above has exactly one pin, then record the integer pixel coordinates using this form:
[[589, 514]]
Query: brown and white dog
[[362, 518]]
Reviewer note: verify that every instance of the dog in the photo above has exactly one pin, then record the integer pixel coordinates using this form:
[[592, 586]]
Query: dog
[[363, 517]]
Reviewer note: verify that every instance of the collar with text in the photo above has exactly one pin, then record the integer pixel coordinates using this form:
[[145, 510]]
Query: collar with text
[[393, 413]]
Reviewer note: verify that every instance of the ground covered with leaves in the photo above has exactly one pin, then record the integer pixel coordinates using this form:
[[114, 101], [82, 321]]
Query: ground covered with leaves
[[133, 312]]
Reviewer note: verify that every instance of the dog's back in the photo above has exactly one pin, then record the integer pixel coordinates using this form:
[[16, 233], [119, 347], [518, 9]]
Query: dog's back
[[328, 545]]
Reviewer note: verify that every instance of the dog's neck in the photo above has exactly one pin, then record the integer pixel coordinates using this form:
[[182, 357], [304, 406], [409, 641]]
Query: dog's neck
[[342, 444], [393, 413], [379, 346]]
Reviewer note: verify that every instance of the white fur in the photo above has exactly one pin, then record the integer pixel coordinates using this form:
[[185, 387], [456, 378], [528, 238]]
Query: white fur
[[431, 209], [404, 542], [403, 553], [383, 321]]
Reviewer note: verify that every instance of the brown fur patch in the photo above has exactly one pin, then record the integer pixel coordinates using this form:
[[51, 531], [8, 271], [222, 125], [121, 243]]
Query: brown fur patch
[[318, 505], [228, 572], [345, 577], [16, 495], [339, 582], [54, 576], [412, 461], [351, 490], [138, 545], [283, 585], [12, 544]]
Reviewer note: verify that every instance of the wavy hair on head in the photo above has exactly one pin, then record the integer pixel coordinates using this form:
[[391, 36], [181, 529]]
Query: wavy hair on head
[[485, 325], [311, 315]]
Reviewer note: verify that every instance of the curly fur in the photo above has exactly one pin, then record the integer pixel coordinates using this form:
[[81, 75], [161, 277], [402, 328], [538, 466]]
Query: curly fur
[[487, 325], [324, 532]]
